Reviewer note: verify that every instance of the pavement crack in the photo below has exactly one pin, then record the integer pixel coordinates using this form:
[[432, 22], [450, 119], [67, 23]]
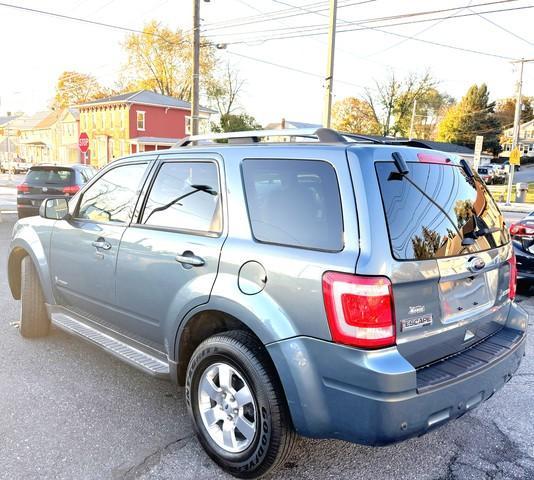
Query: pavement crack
[[150, 460]]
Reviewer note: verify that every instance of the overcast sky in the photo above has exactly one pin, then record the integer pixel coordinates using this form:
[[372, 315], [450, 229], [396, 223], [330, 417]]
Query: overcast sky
[[36, 48]]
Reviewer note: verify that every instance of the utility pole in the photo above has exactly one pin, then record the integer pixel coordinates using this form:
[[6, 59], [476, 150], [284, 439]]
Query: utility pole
[[517, 125], [413, 118], [196, 68], [327, 109]]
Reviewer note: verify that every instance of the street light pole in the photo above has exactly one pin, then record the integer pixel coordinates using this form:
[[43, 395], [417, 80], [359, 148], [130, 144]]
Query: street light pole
[[196, 68], [517, 125], [327, 109]]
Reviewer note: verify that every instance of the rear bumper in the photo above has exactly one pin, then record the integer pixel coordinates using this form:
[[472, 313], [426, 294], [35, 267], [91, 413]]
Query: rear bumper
[[376, 398]]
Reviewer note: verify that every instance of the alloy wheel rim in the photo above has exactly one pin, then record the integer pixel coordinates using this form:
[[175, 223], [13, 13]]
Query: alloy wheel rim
[[227, 407]]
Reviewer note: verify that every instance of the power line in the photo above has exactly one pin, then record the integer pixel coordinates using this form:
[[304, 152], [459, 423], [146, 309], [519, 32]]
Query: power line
[[287, 67], [504, 29], [310, 31], [262, 19], [380, 29], [87, 21]]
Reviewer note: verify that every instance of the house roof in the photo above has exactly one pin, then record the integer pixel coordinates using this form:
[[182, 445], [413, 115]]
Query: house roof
[[7, 119], [50, 119], [146, 97], [27, 122]]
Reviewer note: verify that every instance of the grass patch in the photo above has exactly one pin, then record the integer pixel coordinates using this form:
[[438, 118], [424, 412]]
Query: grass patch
[[499, 192]]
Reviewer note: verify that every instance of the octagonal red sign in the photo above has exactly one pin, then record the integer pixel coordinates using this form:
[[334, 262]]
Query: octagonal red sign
[[83, 142]]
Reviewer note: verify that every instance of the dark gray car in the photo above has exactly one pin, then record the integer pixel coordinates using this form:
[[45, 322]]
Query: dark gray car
[[44, 181], [335, 286]]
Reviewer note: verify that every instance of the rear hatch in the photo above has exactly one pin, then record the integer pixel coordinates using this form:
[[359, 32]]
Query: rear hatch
[[46, 181], [450, 250]]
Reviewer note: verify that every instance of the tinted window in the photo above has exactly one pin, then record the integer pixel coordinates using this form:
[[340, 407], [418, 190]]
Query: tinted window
[[294, 202], [433, 226], [185, 196], [49, 176], [112, 197]]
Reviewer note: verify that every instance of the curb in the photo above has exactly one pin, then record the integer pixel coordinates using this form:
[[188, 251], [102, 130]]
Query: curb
[[516, 208]]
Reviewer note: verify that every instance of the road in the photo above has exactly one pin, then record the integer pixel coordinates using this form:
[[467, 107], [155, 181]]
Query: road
[[70, 411]]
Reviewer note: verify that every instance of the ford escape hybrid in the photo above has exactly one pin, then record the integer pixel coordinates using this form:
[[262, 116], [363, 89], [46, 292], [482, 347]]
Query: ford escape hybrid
[[333, 286]]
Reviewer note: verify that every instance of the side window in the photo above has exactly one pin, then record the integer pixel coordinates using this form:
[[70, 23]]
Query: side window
[[185, 196], [112, 197], [294, 202]]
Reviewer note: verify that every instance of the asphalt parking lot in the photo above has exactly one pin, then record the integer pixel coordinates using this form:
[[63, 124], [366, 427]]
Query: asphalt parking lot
[[70, 411]]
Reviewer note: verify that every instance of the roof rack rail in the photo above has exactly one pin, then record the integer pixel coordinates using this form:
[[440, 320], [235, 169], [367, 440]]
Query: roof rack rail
[[324, 135]]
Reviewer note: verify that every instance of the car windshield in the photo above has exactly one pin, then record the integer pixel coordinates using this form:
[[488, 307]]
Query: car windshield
[[41, 176]]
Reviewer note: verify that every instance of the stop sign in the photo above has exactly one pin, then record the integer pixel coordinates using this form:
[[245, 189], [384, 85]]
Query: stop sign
[[83, 142]]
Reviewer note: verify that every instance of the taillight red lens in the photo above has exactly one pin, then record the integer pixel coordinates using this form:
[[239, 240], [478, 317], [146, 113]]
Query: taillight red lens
[[518, 230], [23, 188], [513, 277], [71, 189], [359, 310]]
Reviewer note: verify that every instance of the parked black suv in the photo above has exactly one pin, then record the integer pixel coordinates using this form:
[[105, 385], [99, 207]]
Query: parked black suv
[[44, 181]]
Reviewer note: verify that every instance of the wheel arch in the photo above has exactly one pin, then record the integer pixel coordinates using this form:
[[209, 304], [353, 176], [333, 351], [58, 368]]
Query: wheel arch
[[21, 248], [199, 326]]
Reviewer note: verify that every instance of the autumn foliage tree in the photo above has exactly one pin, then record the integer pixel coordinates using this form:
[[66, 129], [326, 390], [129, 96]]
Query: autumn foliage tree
[[473, 115], [505, 110], [159, 59], [353, 115], [73, 88]]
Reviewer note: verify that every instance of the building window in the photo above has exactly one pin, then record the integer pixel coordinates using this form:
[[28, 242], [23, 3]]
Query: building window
[[122, 113], [203, 125], [94, 119], [140, 120]]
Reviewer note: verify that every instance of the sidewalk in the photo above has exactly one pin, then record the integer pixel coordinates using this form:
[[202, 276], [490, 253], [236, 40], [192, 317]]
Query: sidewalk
[[516, 207]]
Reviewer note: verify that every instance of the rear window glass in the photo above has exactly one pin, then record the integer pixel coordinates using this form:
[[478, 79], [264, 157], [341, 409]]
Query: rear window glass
[[50, 176], [434, 224], [294, 202]]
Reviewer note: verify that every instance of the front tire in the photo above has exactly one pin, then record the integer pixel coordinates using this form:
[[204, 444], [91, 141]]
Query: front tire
[[238, 406], [34, 321]]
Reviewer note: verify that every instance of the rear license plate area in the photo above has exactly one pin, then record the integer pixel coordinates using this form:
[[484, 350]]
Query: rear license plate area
[[467, 295]]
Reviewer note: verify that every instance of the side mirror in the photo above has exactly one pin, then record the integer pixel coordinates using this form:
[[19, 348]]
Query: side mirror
[[54, 208]]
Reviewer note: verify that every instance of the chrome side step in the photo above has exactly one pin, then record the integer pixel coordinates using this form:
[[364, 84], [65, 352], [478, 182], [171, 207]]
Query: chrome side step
[[135, 357]]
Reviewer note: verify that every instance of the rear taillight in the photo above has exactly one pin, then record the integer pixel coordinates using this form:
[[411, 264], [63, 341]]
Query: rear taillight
[[71, 189], [519, 230], [359, 310], [23, 188], [512, 287]]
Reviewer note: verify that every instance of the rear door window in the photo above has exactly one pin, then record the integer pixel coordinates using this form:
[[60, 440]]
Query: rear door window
[[294, 202], [434, 224]]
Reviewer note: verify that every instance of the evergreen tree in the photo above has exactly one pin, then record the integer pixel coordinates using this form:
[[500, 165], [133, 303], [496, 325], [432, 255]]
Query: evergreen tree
[[474, 115]]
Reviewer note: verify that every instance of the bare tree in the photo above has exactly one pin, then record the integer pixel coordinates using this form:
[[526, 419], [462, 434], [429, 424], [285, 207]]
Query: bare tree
[[224, 91]]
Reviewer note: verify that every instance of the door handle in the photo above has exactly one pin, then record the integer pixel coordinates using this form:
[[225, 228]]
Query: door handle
[[190, 259], [101, 243]]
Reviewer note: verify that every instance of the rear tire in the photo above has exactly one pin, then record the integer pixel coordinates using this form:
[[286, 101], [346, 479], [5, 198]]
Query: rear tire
[[34, 321], [216, 406]]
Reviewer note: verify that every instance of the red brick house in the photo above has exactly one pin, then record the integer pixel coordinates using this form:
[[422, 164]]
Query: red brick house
[[135, 122]]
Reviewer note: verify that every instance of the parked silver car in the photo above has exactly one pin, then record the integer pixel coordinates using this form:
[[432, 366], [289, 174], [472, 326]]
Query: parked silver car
[[334, 287]]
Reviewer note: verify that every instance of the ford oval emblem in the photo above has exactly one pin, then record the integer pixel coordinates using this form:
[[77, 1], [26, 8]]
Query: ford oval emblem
[[475, 264]]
